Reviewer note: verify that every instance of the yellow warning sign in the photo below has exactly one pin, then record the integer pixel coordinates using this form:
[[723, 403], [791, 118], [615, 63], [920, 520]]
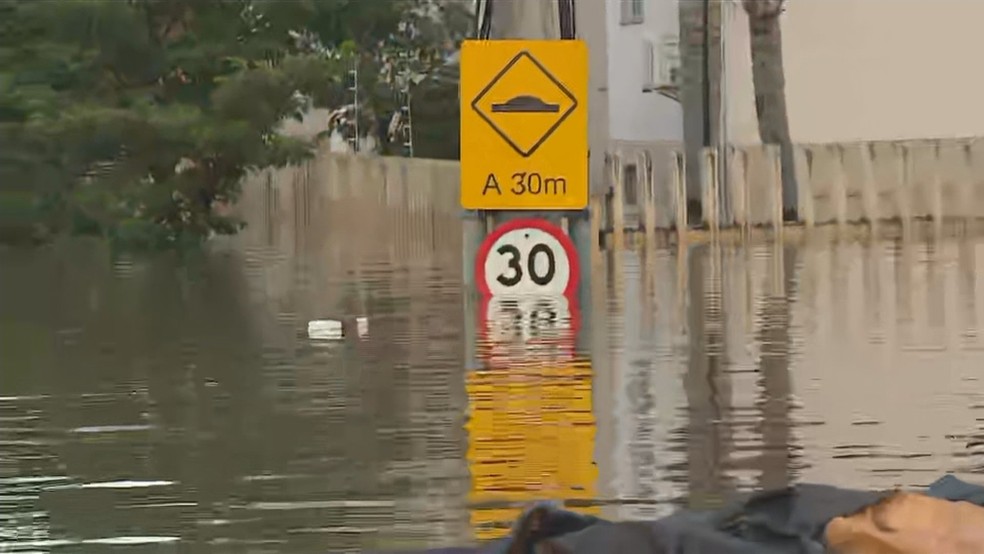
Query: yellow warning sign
[[531, 434], [524, 125]]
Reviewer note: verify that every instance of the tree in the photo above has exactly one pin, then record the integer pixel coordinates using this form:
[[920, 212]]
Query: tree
[[136, 119], [769, 82], [413, 67], [700, 90], [434, 96], [436, 113]]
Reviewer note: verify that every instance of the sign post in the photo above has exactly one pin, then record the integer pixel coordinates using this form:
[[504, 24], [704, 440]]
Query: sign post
[[539, 101], [527, 256]]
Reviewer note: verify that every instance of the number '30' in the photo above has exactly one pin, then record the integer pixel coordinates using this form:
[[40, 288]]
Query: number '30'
[[514, 266]]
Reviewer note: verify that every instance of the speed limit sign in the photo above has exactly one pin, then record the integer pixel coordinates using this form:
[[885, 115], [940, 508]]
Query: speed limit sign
[[527, 257]]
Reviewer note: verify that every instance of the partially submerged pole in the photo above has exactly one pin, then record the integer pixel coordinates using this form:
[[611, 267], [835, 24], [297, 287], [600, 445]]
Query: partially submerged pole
[[499, 214]]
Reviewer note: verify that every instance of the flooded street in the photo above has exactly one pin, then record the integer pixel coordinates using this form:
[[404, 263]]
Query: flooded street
[[178, 405]]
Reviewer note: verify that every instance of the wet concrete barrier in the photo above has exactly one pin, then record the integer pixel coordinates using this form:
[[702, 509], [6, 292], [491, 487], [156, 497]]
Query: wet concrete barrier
[[646, 191], [840, 184], [415, 201]]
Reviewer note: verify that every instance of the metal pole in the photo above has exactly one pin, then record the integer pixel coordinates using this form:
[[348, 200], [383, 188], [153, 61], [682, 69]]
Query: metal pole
[[724, 200], [355, 101], [405, 92], [706, 72], [533, 20]]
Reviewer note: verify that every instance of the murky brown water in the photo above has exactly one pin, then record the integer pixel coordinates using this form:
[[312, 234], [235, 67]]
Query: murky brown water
[[171, 405]]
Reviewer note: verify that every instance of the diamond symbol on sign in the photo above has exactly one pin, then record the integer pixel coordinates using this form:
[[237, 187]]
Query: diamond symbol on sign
[[524, 104]]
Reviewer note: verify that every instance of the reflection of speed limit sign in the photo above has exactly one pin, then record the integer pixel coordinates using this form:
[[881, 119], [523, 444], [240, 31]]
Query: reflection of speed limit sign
[[527, 256], [528, 329], [529, 318]]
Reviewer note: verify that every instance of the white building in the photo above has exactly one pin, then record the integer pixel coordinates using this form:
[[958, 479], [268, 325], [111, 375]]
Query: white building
[[855, 69], [633, 69], [641, 42]]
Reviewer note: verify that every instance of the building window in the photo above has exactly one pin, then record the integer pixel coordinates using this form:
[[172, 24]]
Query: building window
[[630, 185], [632, 11], [661, 69], [669, 60]]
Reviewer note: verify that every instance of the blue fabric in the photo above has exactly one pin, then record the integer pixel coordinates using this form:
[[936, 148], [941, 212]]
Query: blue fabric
[[784, 521], [951, 488]]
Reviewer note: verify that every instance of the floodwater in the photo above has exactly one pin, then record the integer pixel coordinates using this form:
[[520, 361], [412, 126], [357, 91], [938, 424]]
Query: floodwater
[[170, 405]]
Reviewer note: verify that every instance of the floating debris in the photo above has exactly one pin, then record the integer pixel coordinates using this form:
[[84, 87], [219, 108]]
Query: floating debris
[[336, 329]]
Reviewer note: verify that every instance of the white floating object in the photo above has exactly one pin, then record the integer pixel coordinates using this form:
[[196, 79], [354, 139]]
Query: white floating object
[[362, 326], [132, 540], [123, 484], [110, 428], [325, 329]]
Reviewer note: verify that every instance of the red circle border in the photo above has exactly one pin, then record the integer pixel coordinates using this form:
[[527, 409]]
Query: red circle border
[[528, 223]]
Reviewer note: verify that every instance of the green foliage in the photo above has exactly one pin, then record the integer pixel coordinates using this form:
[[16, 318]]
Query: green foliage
[[135, 119], [436, 129], [412, 60]]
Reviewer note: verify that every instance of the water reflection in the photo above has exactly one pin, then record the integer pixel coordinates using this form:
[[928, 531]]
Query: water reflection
[[707, 434], [178, 404], [176, 400], [774, 383], [531, 436]]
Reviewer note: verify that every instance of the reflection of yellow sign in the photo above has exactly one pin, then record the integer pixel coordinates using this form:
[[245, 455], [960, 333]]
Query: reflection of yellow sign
[[524, 124], [531, 437]]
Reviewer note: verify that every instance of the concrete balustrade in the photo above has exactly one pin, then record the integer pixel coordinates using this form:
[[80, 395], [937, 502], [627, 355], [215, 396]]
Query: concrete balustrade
[[741, 188], [838, 184]]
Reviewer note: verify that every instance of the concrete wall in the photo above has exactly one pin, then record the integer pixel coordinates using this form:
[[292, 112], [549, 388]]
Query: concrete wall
[[871, 181], [413, 201], [839, 183]]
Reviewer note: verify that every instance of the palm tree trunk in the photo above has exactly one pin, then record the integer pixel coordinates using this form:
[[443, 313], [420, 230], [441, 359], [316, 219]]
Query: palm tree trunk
[[769, 81]]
